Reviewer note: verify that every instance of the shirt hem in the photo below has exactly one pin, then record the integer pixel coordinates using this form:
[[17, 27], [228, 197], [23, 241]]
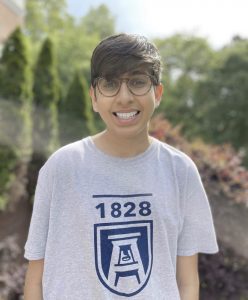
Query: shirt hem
[[195, 251], [33, 256]]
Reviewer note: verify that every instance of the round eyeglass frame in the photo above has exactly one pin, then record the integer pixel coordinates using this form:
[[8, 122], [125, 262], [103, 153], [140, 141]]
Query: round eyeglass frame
[[126, 80]]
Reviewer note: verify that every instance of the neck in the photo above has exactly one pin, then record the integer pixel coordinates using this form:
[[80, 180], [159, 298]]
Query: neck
[[121, 147]]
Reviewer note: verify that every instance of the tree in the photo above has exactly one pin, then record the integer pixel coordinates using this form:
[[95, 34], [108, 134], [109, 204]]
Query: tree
[[15, 71], [15, 114], [186, 60], [185, 54], [72, 41], [74, 49], [44, 18], [15, 90], [99, 20], [46, 96], [76, 119], [221, 101]]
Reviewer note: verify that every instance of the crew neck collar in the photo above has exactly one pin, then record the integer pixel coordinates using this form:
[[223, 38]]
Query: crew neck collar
[[133, 159]]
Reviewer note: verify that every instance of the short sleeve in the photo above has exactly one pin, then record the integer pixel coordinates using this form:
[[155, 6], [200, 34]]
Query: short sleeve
[[38, 230], [197, 233]]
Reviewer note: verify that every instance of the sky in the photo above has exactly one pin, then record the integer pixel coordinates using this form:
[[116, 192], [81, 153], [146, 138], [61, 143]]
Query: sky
[[216, 20]]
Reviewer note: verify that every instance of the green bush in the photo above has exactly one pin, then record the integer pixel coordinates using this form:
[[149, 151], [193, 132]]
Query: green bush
[[46, 96], [76, 118], [15, 83], [16, 96]]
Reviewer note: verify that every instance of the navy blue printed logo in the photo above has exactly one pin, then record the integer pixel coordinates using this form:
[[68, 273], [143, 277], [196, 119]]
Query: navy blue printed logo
[[123, 255]]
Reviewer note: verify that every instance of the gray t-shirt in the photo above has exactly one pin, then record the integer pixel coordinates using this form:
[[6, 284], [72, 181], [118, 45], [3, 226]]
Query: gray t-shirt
[[112, 227]]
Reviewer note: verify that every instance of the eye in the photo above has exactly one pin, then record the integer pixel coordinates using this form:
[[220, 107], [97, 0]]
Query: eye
[[138, 81], [109, 84]]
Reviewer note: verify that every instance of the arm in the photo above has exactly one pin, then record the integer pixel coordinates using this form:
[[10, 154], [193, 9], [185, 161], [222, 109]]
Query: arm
[[187, 277], [33, 281]]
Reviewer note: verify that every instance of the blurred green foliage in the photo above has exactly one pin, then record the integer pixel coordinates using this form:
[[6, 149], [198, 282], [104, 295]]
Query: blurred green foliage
[[43, 18], [15, 79], [99, 20], [186, 60], [205, 90], [75, 117], [221, 107], [15, 91], [46, 96]]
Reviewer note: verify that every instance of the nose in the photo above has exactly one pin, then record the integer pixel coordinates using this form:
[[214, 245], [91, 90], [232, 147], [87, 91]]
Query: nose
[[124, 96]]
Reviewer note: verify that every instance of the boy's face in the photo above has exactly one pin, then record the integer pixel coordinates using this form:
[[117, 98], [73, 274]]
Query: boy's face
[[127, 113]]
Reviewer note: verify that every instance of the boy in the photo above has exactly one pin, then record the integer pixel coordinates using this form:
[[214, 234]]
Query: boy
[[119, 214]]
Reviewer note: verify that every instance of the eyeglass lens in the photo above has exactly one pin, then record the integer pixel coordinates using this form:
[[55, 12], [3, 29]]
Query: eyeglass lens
[[137, 85]]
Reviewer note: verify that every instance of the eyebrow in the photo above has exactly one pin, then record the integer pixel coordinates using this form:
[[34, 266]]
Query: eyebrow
[[138, 71], [134, 72]]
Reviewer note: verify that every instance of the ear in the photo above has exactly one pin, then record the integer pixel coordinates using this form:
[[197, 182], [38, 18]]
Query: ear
[[158, 94], [93, 98]]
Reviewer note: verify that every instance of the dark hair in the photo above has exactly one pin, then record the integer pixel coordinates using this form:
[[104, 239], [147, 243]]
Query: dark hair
[[122, 53]]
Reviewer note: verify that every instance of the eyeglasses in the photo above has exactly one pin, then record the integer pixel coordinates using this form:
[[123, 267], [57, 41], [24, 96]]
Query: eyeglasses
[[138, 85]]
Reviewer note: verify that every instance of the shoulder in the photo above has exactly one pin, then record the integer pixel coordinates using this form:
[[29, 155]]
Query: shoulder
[[177, 157], [65, 156], [68, 150]]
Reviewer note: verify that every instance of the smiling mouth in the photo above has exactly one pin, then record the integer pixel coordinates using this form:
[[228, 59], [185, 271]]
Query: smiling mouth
[[126, 116]]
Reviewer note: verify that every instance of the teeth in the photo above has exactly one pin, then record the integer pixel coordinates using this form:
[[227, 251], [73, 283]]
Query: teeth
[[126, 116]]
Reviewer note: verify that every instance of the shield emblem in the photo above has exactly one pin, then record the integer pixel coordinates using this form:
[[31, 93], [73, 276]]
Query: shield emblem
[[123, 255]]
